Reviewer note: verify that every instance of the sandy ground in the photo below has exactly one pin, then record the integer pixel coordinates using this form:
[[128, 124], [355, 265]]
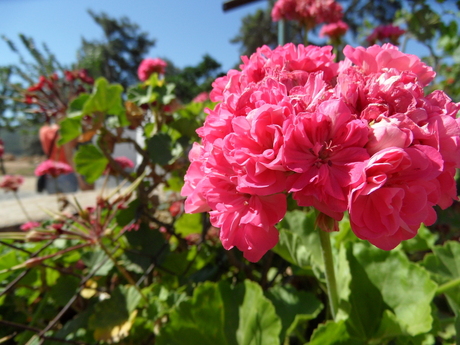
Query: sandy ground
[[35, 204]]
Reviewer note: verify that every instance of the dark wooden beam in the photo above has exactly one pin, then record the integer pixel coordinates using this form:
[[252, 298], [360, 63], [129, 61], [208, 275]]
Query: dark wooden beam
[[235, 3]]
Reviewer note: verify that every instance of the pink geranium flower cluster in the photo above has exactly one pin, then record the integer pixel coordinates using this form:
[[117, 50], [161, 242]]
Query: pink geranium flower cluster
[[359, 136], [385, 34], [308, 12], [149, 66], [334, 30], [53, 168], [11, 183]]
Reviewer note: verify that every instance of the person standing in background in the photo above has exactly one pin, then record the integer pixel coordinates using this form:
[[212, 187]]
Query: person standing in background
[[66, 183]]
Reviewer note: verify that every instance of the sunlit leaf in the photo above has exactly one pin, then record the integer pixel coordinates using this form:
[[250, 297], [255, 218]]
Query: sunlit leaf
[[224, 315], [90, 162]]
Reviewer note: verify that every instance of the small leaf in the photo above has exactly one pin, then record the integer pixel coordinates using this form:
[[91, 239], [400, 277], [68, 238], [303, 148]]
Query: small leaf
[[189, 224], [444, 266], [106, 98], [259, 323], [299, 241], [98, 258], [69, 129], [293, 307], [332, 333], [159, 148], [90, 162]]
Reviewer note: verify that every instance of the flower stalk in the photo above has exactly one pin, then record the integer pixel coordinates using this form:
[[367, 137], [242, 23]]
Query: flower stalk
[[326, 250]]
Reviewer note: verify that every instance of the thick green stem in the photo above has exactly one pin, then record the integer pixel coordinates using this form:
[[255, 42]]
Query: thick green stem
[[326, 250], [447, 286]]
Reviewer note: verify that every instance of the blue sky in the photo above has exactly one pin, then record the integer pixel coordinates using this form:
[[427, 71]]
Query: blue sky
[[184, 30]]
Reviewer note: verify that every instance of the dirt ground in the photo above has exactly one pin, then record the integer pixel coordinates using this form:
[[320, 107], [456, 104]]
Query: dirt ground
[[24, 166]]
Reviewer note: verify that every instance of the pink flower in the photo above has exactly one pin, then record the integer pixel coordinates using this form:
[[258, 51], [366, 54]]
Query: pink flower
[[385, 34], [201, 97], [149, 66], [11, 182], [358, 136], [122, 162], [2, 148], [322, 148], [53, 168], [375, 59], [308, 12], [29, 226], [395, 194], [334, 30], [285, 9]]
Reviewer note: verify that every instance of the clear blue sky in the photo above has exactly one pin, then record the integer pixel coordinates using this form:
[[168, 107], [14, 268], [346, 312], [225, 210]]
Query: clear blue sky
[[184, 30]]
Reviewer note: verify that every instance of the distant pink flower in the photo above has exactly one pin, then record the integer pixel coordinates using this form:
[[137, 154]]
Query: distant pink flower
[[385, 34], [11, 183], [334, 30], [2, 148], [149, 66], [53, 168], [308, 12], [201, 97], [122, 162], [29, 226], [285, 9]]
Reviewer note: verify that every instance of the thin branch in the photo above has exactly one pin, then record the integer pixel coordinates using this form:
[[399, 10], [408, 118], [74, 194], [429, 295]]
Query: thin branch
[[22, 274], [37, 330]]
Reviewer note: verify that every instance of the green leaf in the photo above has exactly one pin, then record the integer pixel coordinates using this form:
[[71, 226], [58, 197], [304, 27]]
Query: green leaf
[[259, 323], [299, 242], [8, 260], [424, 240], [405, 286], [64, 289], [106, 98], [77, 105], [221, 314], [366, 302], [159, 148], [292, 307], [113, 317], [186, 127], [97, 258], [90, 162], [444, 266], [69, 129], [115, 310], [148, 246], [332, 333], [189, 224], [198, 321]]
